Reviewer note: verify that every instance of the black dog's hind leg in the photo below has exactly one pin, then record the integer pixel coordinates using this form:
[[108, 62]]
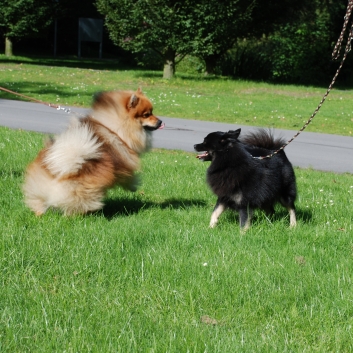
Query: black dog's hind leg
[[245, 215], [289, 205], [292, 217], [217, 211]]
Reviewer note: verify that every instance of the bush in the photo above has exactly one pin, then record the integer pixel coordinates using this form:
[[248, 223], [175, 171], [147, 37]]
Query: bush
[[191, 65], [149, 60], [247, 60], [293, 54]]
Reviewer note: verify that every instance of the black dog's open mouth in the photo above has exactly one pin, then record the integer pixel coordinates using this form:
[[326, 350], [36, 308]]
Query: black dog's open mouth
[[202, 156]]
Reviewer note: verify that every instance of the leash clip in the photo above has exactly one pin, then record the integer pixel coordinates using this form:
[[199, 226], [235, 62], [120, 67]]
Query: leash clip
[[66, 110]]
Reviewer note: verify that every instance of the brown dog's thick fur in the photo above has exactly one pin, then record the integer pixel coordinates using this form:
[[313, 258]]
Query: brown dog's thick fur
[[97, 152]]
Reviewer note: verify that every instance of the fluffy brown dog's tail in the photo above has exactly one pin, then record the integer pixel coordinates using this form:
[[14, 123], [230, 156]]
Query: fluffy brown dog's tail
[[70, 150], [262, 138]]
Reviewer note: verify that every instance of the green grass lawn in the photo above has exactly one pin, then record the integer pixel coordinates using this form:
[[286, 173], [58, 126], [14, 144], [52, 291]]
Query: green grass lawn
[[146, 274], [219, 99]]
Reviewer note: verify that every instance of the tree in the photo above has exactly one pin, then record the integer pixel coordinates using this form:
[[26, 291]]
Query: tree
[[162, 25], [217, 26], [20, 17], [205, 28]]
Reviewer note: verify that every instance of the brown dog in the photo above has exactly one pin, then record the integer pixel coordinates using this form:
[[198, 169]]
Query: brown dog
[[97, 152]]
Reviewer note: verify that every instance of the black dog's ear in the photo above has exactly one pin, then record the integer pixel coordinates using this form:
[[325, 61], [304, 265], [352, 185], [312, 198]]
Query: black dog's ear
[[230, 137], [234, 133]]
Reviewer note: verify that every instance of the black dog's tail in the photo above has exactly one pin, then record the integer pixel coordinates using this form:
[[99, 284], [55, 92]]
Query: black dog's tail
[[263, 139]]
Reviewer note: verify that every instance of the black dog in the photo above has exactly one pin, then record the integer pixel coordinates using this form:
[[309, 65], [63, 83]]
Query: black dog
[[244, 183]]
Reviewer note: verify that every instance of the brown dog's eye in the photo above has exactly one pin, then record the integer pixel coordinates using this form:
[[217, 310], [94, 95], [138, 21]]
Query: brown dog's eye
[[146, 115]]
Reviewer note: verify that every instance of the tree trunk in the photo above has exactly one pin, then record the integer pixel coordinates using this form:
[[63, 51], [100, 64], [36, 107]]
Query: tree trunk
[[211, 62], [8, 47], [169, 64]]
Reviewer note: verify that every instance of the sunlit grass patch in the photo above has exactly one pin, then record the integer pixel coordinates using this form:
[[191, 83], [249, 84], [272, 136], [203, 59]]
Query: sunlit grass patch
[[147, 274]]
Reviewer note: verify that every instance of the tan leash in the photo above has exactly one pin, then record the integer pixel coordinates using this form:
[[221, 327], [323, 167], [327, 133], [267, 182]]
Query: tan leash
[[55, 106]]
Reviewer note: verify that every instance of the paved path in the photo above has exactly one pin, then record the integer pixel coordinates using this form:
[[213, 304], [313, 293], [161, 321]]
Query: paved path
[[318, 151]]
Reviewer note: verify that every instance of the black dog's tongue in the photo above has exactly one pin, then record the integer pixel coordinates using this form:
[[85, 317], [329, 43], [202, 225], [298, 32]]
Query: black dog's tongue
[[202, 155]]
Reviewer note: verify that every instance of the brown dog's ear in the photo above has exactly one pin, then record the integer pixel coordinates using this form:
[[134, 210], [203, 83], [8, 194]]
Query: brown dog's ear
[[139, 90], [133, 101]]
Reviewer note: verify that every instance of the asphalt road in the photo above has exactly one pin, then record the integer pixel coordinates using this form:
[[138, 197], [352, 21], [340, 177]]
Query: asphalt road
[[318, 151]]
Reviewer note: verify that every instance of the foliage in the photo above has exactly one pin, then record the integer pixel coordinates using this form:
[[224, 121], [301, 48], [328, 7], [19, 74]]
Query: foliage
[[205, 28], [20, 17], [267, 15], [303, 49], [191, 65], [298, 52], [164, 26], [148, 59], [221, 26], [217, 26]]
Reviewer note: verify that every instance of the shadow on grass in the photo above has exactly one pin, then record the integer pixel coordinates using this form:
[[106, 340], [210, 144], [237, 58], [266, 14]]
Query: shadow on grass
[[126, 207], [103, 64], [179, 75], [11, 174], [303, 216]]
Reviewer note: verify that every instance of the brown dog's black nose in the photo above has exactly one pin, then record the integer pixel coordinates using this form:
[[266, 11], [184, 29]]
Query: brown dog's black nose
[[160, 124]]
